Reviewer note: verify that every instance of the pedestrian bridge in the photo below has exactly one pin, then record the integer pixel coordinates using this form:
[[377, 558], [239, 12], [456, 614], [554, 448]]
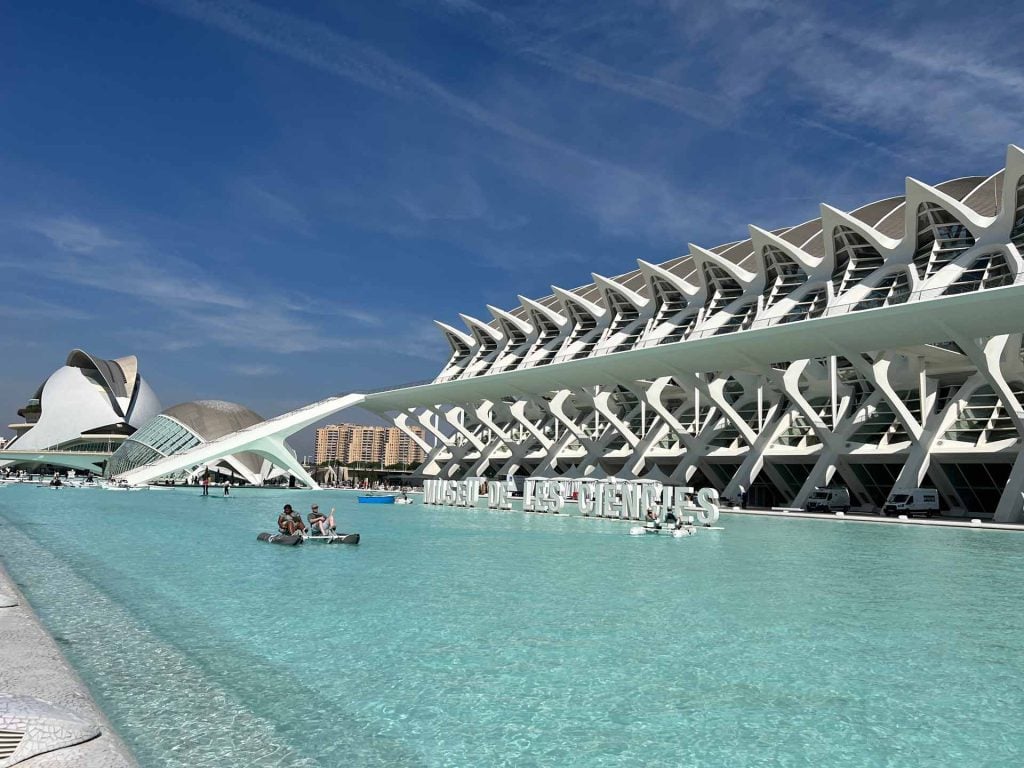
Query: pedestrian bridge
[[266, 439]]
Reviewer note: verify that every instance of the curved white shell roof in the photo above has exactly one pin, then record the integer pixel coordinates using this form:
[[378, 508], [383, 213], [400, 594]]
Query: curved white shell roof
[[85, 395]]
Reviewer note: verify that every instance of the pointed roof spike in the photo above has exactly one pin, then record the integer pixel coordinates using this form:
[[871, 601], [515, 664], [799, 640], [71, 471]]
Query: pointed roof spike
[[739, 273], [587, 306], [535, 306], [480, 326], [506, 317], [609, 284], [455, 335], [918, 189], [918, 192], [687, 288], [833, 217], [486, 337], [759, 238]]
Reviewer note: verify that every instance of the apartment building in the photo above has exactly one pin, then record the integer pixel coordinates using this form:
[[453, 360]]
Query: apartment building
[[360, 443]]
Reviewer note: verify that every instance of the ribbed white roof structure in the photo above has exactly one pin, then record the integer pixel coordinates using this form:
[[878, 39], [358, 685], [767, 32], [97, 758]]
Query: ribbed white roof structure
[[883, 253], [879, 348]]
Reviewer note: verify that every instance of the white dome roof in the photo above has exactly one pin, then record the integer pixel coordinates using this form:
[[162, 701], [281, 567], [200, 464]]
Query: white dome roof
[[211, 419]]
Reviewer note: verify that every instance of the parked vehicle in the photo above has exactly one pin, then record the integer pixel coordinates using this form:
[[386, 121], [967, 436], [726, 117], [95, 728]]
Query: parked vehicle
[[916, 501], [828, 499]]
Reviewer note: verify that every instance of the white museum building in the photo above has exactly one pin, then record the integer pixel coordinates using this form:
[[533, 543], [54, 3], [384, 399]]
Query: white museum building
[[878, 348]]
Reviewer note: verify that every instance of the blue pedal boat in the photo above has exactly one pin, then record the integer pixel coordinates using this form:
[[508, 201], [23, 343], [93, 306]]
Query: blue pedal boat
[[378, 498]]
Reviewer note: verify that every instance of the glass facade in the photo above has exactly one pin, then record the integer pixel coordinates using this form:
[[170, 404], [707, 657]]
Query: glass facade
[[160, 436], [987, 271], [940, 239], [856, 258], [782, 276], [1017, 233], [877, 480], [892, 289], [723, 290], [979, 485]]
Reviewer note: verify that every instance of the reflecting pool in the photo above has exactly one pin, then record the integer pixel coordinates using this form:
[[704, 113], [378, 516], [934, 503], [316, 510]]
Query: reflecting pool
[[478, 638]]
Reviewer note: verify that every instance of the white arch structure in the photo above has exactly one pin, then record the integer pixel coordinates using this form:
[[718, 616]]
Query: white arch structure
[[879, 347], [265, 439]]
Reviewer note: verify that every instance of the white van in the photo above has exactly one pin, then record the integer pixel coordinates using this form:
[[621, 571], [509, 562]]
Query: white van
[[916, 501], [828, 500]]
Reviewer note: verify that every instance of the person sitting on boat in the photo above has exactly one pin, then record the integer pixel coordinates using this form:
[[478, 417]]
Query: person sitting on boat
[[318, 520], [290, 523], [652, 520]]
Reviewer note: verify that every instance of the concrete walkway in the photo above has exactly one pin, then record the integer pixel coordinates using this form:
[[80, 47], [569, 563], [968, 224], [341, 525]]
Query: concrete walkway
[[31, 664]]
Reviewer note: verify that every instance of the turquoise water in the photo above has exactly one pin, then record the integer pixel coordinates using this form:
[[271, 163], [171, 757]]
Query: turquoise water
[[477, 638]]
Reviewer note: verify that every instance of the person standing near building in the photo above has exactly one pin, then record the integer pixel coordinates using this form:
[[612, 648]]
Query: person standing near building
[[206, 484]]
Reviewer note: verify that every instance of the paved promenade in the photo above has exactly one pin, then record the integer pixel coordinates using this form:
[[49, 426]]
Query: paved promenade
[[31, 664]]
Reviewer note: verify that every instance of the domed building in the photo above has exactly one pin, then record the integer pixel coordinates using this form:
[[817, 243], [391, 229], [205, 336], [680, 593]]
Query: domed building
[[89, 405], [187, 425]]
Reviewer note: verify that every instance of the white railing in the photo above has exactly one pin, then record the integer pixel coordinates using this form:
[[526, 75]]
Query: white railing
[[899, 299]]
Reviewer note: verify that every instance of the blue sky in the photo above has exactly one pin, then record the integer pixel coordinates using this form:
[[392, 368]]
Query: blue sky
[[269, 204]]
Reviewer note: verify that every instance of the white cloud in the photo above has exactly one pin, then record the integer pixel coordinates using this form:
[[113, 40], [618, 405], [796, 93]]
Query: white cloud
[[92, 257], [894, 75], [196, 308], [542, 43], [71, 234]]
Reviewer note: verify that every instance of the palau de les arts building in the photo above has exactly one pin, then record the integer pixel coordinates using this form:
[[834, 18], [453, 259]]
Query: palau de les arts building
[[878, 349], [102, 416], [87, 407]]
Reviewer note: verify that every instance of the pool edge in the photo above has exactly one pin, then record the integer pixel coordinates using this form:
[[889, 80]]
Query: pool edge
[[849, 517], [32, 664]]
